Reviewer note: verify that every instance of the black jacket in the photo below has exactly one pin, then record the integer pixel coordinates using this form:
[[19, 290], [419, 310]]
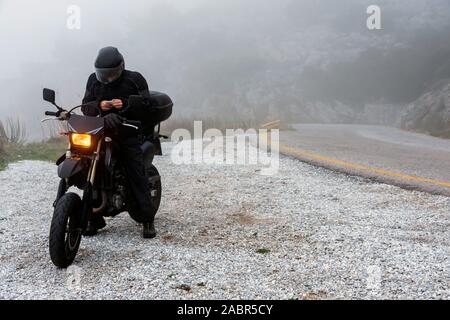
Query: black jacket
[[130, 83]]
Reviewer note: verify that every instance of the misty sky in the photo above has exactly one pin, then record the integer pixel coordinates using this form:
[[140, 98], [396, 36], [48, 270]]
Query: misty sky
[[211, 56]]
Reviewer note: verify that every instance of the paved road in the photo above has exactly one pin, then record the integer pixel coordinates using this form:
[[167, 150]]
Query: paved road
[[389, 155]]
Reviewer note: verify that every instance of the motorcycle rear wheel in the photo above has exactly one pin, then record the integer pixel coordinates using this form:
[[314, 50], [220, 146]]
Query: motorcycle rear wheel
[[65, 230], [154, 184]]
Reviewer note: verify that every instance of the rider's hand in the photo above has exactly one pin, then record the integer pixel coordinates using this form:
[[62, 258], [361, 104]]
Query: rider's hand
[[117, 103], [112, 121], [106, 105]]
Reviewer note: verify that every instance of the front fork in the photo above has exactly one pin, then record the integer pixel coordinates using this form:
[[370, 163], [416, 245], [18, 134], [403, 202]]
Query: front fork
[[94, 164], [63, 185], [62, 189], [87, 193]]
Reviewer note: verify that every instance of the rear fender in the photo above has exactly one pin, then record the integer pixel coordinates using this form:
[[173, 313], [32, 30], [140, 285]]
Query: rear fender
[[158, 146]]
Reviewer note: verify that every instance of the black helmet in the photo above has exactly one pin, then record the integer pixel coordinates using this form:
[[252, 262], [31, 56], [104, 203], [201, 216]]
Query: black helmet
[[109, 65]]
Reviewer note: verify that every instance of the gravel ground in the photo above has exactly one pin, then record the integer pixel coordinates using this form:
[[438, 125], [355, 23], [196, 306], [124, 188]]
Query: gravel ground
[[227, 232]]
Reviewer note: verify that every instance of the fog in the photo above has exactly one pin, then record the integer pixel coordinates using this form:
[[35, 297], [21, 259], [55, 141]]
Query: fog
[[229, 59]]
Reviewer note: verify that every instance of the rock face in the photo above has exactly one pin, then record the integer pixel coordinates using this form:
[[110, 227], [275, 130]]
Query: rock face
[[431, 112]]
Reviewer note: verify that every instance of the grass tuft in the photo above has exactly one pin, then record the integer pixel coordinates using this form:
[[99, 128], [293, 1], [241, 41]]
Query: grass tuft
[[49, 150], [263, 251]]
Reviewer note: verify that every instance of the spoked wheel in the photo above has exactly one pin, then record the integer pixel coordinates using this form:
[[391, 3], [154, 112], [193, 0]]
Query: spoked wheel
[[65, 230], [154, 184]]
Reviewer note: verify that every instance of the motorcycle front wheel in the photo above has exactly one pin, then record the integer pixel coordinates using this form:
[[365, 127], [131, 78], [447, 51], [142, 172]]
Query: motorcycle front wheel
[[65, 230]]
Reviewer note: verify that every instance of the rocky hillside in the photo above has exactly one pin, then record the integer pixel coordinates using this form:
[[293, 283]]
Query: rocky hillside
[[338, 112], [431, 112]]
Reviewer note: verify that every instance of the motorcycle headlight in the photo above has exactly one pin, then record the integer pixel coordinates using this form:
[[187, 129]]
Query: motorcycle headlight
[[81, 140]]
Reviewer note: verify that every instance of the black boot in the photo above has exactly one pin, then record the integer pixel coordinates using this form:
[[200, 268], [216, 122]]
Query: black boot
[[96, 223], [149, 231]]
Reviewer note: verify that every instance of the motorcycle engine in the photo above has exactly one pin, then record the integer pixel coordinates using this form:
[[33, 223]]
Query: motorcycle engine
[[118, 200]]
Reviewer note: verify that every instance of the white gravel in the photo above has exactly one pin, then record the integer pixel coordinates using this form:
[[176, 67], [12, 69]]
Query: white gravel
[[328, 236]]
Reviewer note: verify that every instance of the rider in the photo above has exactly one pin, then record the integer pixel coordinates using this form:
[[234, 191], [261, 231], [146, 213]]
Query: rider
[[107, 93]]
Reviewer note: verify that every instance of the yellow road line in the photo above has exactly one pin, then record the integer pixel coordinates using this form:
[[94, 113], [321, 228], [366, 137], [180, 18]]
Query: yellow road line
[[346, 164], [302, 153]]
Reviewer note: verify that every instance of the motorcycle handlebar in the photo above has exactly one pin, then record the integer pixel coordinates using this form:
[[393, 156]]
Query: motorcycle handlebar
[[133, 123], [65, 115]]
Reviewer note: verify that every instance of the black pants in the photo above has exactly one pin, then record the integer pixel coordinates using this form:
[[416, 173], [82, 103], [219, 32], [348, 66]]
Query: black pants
[[132, 160]]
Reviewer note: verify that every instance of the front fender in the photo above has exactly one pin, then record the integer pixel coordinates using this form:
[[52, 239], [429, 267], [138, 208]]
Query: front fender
[[69, 167]]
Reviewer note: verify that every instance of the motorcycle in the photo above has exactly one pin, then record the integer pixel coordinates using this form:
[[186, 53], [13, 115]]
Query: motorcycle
[[90, 165]]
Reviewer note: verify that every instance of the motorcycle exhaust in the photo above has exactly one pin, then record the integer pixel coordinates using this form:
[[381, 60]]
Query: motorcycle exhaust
[[103, 205]]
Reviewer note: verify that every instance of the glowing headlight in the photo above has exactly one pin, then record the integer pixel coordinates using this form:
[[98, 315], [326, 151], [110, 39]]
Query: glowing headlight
[[81, 140]]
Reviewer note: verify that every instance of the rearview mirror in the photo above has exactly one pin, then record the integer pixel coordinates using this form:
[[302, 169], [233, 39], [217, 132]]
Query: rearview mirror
[[48, 95]]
